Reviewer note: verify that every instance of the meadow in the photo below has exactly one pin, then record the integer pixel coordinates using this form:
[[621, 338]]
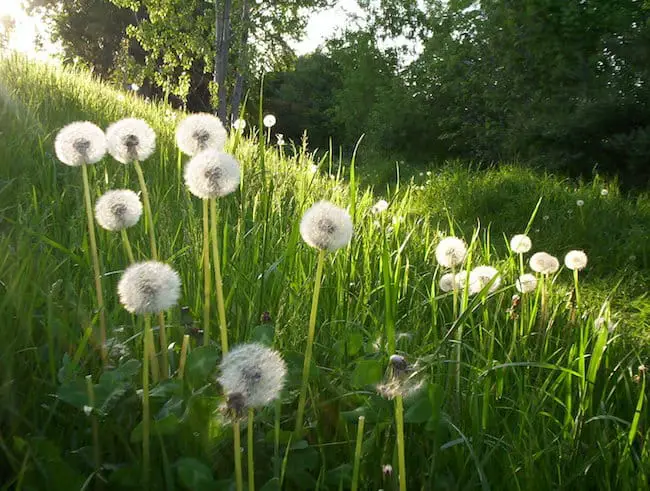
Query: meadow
[[546, 390]]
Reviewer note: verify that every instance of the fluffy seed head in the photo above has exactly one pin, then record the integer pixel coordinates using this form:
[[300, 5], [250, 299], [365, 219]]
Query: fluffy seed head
[[149, 287], [380, 206], [269, 120], [520, 244], [199, 132], [130, 139], [118, 209], [580, 203], [462, 278], [239, 124], [575, 260], [447, 282], [80, 143], [544, 263], [481, 276], [326, 226], [451, 252], [526, 283], [254, 372], [212, 174], [604, 192]]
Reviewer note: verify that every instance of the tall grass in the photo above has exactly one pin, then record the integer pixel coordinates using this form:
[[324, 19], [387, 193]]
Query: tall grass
[[557, 405]]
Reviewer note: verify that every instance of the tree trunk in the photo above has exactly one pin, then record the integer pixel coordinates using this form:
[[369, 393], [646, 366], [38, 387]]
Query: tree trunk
[[222, 46], [243, 59]]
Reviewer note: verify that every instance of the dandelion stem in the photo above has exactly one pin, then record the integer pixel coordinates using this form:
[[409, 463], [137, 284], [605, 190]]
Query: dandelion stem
[[401, 460], [145, 402], [95, 259], [218, 283], [206, 267], [151, 354], [164, 368], [237, 454], [251, 460], [181, 364], [127, 246], [276, 440], [575, 281], [357, 454], [310, 342], [93, 418], [147, 210]]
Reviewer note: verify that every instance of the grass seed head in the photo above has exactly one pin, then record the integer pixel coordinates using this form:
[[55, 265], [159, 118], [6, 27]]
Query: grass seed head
[[131, 140], [212, 174], [199, 132], [520, 244], [149, 287], [80, 143], [451, 252], [575, 260], [118, 209], [544, 263], [326, 227]]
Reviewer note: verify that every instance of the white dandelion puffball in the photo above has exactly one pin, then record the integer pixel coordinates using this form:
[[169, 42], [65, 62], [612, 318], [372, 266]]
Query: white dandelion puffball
[[80, 143], [253, 371], [118, 209], [131, 140], [451, 252], [463, 278], [604, 192], [575, 260], [326, 226], [380, 206], [212, 174], [447, 282], [520, 244], [544, 263], [239, 124], [580, 203], [480, 276], [199, 132], [269, 121], [526, 283], [149, 287]]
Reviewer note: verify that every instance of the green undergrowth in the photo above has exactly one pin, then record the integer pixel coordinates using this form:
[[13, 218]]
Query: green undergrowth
[[543, 398]]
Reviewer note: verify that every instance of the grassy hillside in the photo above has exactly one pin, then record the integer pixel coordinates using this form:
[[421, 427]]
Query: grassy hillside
[[543, 398]]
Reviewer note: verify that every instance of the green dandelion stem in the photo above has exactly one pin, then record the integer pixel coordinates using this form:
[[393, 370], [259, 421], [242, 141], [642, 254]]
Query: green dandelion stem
[[127, 246], [357, 454], [575, 281], [151, 354], [164, 368], [401, 460], [148, 348], [181, 363], [251, 460], [95, 425], [237, 454], [95, 259], [148, 215], [218, 283], [310, 342], [206, 268]]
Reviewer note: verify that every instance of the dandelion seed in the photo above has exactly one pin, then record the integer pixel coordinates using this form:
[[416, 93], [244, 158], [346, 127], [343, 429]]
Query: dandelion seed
[[379, 207], [212, 174], [239, 124], [252, 374], [451, 252], [269, 121], [546, 219], [199, 132], [604, 192], [580, 203], [575, 260], [313, 169], [447, 282], [118, 209], [481, 276], [80, 143], [326, 226], [404, 380], [526, 283], [520, 244], [149, 287], [131, 140], [544, 263], [280, 138]]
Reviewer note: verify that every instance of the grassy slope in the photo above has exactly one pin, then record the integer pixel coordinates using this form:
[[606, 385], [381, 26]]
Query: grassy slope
[[527, 438]]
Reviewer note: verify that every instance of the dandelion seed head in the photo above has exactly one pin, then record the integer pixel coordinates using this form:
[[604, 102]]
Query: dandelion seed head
[[313, 168], [280, 139], [326, 226], [447, 282], [255, 372], [379, 207], [134, 87], [451, 252], [545, 218], [604, 192], [212, 174], [526, 283], [149, 287], [481, 276], [520, 244], [575, 260], [131, 140], [269, 121], [199, 132], [118, 209], [387, 470], [80, 143], [580, 203], [544, 263], [462, 278], [239, 124]]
